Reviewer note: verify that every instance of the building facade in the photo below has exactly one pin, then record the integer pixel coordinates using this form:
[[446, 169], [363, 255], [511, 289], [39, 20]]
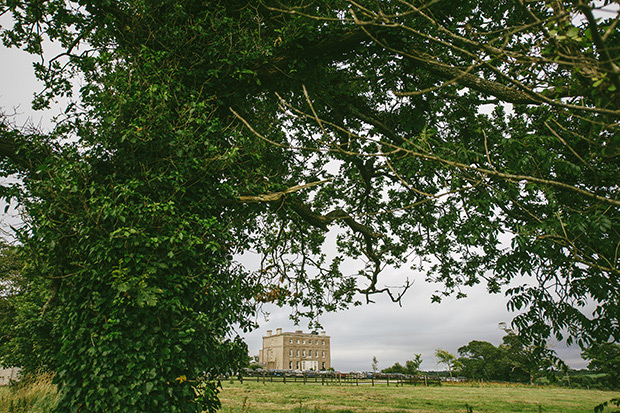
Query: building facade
[[295, 351]]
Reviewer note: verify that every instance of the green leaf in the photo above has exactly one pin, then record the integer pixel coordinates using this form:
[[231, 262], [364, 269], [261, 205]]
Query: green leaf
[[572, 32]]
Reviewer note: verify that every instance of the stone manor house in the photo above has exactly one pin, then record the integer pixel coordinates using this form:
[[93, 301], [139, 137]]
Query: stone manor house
[[295, 351]]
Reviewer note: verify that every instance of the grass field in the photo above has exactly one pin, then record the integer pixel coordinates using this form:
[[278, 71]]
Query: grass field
[[40, 397], [278, 397]]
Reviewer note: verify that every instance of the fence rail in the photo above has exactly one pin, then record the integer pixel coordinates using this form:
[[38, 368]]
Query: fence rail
[[339, 380]]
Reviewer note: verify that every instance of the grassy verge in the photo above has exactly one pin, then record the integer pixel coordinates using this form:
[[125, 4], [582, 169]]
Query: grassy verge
[[278, 397], [37, 395]]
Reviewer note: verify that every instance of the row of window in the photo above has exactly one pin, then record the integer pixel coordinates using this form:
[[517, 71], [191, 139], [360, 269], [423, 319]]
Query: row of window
[[303, 341], [290, 365], [303, 353]]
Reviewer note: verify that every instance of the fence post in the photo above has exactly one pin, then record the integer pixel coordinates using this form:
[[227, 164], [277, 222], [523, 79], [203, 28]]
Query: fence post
[[388, 380], [372, 378], [284, 378]]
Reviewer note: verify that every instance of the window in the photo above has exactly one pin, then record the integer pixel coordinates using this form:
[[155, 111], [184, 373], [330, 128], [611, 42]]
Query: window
[[303, 353], [323, 342], [297, 353], [297, 341], [310, 353], [323, 366], [290, 341], [290, 353], [322, 354], [290, 364], [297, 366], [303, 341], [317, 342]]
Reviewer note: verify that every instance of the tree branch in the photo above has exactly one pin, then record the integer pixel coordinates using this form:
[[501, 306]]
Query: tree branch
[[277, 196], [22, 152]]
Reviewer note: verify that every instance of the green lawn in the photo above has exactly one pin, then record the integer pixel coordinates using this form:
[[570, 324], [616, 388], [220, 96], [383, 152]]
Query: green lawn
[[293, 397], [277, 397]]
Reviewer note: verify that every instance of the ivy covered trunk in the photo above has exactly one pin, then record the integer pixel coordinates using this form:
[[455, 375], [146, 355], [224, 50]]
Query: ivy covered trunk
[[137, 237], [146, 288]]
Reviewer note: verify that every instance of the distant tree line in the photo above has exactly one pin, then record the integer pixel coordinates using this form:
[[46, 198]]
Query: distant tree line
[[515, 361], [411, 366]]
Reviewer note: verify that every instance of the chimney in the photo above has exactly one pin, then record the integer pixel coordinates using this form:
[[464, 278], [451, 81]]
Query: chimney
[[299, 331], [278, 331], [322, 333], [268, 333]]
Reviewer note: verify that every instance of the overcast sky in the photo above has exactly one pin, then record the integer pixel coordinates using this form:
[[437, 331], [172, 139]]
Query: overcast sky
[[385, 330], [395, 334]]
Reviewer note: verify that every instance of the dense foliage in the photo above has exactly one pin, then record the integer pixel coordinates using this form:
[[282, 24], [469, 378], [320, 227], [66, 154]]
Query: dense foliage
[[28, 335], [480, 138], [605, 360], [411, 366], [513, 360]]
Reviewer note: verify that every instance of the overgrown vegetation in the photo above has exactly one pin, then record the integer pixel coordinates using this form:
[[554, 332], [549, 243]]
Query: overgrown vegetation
[[33, 394], [29, 336]]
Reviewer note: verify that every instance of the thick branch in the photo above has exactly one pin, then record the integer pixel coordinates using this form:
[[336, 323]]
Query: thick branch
[[607, 61], [330, 47], [277, 196], [306, 213]]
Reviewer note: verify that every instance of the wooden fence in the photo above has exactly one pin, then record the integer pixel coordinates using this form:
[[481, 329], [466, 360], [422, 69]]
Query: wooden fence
[[339, 380]]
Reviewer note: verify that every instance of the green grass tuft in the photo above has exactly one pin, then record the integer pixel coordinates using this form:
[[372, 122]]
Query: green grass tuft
[[35, 394]]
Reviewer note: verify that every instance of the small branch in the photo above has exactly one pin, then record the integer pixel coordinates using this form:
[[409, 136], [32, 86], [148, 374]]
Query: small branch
[[462, 166], [570, 148]]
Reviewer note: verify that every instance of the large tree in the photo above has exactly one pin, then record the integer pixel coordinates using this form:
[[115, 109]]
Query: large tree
[[479, 137], [490, 133], [605, 358], [513, 360], [482, 360], [448, 359]]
